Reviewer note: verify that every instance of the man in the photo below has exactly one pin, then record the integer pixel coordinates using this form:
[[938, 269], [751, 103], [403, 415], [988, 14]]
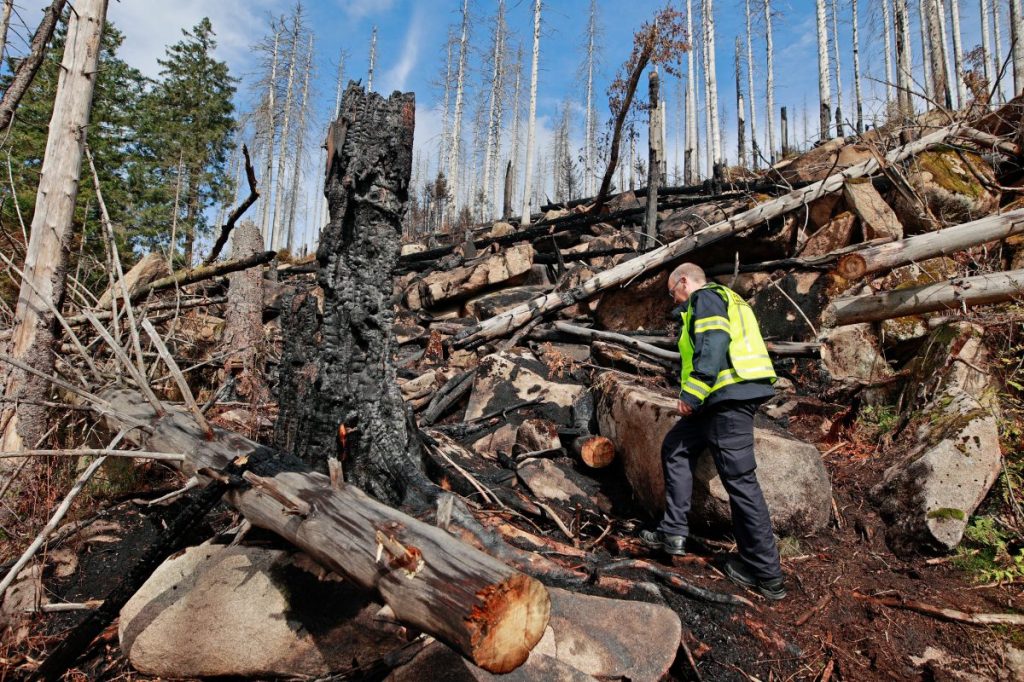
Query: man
[[726, 374]]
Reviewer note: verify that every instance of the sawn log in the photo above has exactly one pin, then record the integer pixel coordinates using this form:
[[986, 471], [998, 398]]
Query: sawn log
[[510, 320], [485, 610]]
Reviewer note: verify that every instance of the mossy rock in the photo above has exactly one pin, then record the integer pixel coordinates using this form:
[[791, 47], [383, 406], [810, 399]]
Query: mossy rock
[[954, 187]]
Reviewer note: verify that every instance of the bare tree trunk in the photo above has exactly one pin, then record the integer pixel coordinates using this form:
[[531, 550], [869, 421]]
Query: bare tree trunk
[[516, 113], [997, 56], [755, 151], [937, 55], [840, 123], [926, 48], [1017, 40], [691, 161], [243, 320], [656, 153], [590, 125], [5, 22], [769, 80], [958, 54], [373, 59], [715, 148], [890, 77], [282, 156], [453, 149], [493, 115], [858, 100], [741, 125], [785, 133], [986, 44], [531, 127], [903, 59], [824, 77], [300, 133], [27, 67], [268, 172], [35, 338]]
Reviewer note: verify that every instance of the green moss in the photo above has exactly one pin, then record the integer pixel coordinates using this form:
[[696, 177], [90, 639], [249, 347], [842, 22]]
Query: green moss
[[947, 513], [948, 171]]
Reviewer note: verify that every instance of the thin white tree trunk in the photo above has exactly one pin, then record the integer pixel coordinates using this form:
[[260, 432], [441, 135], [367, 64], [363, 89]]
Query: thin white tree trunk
[[890, 77], [680, 137], [712, 79], [858, 102], [940, 83], [939, 7], [453, 159], [1017, 41], [769, 80], [531, 126], [301, 135], [824, 76], [493, 118], [268, 172], [5, 23], [690, 158], [904, 59], [755, 161], [516, 115], [373, 59], [840, 123], [958, 54], [986, 43], [589, 127], [45, 271], [741, 123], [998, 56], [282, 156], [926, 49]]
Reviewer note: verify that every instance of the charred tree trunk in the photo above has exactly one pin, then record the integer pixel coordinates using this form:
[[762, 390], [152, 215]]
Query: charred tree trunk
[[341, 375]]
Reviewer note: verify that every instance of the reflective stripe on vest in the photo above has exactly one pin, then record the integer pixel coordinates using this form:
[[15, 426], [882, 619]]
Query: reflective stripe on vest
[[748, 355]]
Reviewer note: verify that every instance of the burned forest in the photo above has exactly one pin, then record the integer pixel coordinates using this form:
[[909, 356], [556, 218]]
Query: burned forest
[[384, 393]]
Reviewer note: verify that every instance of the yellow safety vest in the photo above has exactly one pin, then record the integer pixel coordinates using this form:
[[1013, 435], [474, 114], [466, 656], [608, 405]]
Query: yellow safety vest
[[748, 356]]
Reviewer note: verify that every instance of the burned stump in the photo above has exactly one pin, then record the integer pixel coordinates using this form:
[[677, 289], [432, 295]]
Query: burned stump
[[337, 369]]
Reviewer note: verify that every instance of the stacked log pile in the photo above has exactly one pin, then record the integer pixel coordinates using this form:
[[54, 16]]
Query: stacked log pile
[[502, 396]]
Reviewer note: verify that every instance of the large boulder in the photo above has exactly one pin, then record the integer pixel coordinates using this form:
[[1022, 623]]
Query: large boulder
[[248, 613], [792, 475], [641, 304], [951, 445], [953, 187], [824, 160], [507, 378], [853, 352]]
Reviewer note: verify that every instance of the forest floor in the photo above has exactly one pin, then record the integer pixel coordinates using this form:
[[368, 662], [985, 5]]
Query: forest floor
[[822, 631]]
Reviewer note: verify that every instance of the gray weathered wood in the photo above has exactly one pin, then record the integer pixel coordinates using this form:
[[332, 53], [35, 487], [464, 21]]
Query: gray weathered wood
[[951, 295]]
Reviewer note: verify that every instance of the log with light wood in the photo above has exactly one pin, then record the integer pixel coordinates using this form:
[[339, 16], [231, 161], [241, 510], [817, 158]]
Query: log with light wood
[[510, 320], [485, 610], [930, 245], [951, 295]]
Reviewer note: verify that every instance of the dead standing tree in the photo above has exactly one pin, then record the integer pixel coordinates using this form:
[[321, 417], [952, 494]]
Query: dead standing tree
[[338, 372]]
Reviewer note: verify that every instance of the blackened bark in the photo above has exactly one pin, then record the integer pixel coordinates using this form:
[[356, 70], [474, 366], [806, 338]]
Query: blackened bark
[[342, 373]]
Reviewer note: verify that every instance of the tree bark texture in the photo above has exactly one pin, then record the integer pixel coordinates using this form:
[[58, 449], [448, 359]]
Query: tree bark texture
[[485, 610], [243, 321], [341, 374], [35, 328]]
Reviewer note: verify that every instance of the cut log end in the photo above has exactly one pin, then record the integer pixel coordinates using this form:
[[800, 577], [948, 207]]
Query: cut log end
[[597, 452], [508, 623], [851, 266]]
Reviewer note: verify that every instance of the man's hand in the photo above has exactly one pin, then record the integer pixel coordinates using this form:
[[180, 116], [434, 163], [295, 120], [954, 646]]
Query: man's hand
[[684, 409]]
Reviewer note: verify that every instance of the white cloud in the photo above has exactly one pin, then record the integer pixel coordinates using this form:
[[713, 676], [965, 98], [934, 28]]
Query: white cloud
[[357, 9], [396, 78]]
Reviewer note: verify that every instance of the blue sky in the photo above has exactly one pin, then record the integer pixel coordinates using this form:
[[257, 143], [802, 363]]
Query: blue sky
[[411, 37]]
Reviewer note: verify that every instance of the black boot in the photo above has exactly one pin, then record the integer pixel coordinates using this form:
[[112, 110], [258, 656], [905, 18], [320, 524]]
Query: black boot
[[671, 544], [737, 571]]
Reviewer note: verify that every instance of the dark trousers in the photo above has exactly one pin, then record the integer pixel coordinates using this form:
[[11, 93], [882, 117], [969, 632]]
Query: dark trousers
[[726, 429]]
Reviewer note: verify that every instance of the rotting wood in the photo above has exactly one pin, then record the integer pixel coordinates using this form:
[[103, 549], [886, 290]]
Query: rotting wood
[[922, 247], [482, 608], [952, 295], [513, 319]]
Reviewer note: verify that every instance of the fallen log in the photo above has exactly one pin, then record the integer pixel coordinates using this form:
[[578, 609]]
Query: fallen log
[[929, 245], [951, 295], [482, 608], [622, 340], [203, 272], [513, 319]]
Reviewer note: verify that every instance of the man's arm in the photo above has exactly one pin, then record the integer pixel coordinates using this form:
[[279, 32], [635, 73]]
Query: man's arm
[[710, 346]]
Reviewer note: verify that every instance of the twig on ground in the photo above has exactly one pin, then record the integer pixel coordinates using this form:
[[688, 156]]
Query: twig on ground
[[676, 582], [943, 613]]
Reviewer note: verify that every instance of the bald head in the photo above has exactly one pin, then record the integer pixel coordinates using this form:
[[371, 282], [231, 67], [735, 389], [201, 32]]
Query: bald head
[[685, 280]]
